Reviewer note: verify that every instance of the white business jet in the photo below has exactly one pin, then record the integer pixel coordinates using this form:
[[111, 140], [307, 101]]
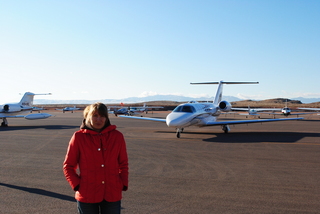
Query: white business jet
[[205, 114], [285, 111], [140, 110], [14, 110], [39, 109], [130, 111], [74, 108], [253, 111]]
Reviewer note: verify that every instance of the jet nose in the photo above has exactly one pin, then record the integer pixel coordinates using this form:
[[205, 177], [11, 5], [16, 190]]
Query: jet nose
[[173, 120]]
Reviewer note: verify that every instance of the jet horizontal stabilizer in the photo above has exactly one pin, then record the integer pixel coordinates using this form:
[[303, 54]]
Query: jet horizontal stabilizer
[[204, 83]]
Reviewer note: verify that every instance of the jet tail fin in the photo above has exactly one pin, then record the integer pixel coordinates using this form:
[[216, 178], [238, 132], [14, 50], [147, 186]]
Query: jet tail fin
[[218, 97], [27, 99]]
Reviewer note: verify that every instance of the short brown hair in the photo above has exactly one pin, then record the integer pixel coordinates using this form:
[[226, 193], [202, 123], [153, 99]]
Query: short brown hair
[[101, 108]]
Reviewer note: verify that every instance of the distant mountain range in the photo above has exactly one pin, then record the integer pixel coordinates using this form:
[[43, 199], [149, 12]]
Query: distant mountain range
[[155, 98]]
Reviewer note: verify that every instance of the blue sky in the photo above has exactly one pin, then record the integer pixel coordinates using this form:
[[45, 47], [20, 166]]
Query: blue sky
[[117, 49]]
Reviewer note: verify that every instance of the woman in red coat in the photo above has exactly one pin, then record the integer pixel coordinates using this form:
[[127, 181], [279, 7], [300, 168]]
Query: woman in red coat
[[99, 150]]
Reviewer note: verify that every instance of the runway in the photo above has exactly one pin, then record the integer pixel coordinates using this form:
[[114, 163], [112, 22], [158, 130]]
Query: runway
[[257, 168]]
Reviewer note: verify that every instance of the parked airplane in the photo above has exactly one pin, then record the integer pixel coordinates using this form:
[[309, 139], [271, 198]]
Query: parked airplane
[[118, 109], [253, 111], [74, 108], [205, 114], [130, 111], [285, 111], [14, 110], [34, 108]]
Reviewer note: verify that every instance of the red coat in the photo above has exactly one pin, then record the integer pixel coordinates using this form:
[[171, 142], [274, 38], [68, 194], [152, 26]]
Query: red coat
[[103, 165]]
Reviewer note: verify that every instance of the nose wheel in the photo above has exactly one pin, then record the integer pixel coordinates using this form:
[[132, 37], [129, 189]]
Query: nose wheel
[[179, 130]]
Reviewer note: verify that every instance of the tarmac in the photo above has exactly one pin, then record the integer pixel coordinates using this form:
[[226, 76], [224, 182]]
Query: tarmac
[[257, 168]]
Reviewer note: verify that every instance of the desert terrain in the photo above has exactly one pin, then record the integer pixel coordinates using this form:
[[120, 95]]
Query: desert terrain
[[170, 105]]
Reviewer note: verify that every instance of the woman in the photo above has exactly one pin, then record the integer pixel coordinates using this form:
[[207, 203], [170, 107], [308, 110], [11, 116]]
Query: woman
[[100, 152]]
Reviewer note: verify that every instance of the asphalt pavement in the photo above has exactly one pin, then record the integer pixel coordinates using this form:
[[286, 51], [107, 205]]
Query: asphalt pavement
[[257, 168]]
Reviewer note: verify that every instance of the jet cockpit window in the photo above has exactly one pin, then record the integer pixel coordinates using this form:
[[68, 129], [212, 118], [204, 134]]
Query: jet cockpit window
[[185, 108]]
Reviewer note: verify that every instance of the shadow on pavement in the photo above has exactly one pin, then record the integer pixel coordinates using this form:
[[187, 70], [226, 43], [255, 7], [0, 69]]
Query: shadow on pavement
[[40, 192]]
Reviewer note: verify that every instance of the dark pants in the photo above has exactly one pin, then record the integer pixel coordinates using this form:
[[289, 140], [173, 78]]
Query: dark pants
[[103, 207]]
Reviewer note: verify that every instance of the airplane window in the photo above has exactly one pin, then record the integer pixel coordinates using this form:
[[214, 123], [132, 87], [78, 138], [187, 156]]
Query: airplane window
[[185, 108], [177, 109]]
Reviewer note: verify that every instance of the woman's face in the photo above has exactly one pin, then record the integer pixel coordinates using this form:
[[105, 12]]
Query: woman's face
[[98, 121]]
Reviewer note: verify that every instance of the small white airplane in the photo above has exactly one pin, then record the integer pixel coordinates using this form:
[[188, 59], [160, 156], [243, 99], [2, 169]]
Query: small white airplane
[[14, 110], [34, 108], [74, 108], [140, 110], [253, 111], [130, 111], [285, 111], [310, 109], [205, 114]]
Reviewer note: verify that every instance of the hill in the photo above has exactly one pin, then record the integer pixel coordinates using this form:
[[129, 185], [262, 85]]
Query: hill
[[170, 105]]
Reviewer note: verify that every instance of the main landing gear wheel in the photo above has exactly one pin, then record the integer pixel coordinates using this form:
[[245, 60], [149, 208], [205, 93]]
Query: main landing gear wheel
[[4, 123], [225, 128]]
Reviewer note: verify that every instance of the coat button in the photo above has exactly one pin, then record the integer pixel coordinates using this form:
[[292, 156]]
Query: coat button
[[99, 149], [102, 182], [102, 165]]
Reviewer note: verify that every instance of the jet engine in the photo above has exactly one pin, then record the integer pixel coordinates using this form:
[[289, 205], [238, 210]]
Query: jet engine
[[11, 108], [225, 106]]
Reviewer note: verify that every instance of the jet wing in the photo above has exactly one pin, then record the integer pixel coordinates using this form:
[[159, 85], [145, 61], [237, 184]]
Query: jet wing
[[310, 109], [145, 118], [274, 113], [12, 116], [240, 109], [28, 116], [249, 121], [151, 107], [256, 109], [302, 113], [251, 114]]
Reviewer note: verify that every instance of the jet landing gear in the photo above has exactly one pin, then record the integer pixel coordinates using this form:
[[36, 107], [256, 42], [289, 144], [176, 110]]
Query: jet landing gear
[[179, 131], [4, 123], [226, 128]]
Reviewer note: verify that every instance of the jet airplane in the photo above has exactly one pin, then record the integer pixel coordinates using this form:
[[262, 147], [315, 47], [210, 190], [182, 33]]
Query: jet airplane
[[285, 111], [74, 108], [34, 108], [130, 111], [252, 111], [14, 110], [205, 114]]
